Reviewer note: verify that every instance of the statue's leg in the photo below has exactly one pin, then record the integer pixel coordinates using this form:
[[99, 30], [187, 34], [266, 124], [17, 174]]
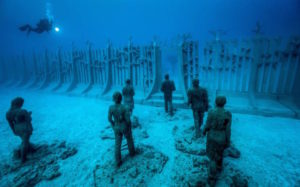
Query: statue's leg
[[118, 144], [24, 147], [130, 143], [196, 122], [166, 104], [170, 107]]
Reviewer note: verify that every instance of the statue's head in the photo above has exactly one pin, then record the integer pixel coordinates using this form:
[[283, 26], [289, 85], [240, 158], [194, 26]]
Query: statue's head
[[117, 97], [17, 102], [195, 82], [167, 77], [220, 101]]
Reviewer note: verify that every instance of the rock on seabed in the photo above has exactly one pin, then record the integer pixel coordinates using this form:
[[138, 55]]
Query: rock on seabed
[[42, 164], [135, 171]]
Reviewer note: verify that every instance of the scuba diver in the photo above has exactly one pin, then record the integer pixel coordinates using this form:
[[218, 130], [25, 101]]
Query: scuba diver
[[42, 26]]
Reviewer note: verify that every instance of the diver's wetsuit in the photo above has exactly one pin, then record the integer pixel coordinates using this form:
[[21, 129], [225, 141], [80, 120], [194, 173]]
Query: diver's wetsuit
[[42, 26]]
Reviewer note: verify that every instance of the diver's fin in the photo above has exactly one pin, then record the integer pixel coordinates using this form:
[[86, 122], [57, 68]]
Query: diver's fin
[[24, 27]]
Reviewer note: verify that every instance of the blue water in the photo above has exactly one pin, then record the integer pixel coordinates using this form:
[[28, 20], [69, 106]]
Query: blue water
[[264, 110], [101, 20]]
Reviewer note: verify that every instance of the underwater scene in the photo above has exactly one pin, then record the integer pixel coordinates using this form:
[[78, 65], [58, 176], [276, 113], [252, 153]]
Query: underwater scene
[[171, 93]]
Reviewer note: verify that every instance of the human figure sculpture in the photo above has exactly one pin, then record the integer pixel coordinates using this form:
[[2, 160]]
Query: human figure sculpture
[[218, 129], [198, 100], [168, 87], [119, 118], [128, 93], [19, 121]]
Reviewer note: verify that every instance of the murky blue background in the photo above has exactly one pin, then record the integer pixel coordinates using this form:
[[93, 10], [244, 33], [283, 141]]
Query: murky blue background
[[117, 20]]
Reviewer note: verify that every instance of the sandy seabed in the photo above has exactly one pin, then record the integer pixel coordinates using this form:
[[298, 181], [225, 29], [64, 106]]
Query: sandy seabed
[[270, 146]]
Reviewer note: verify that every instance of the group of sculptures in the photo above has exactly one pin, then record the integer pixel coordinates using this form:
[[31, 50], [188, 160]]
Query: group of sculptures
[[217, 127], [254, 66]]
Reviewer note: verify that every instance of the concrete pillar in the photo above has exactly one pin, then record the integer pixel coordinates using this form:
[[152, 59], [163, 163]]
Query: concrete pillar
[[156, 62], [90, 69], [108, 70], [47, 72], [257, 54], [91, 63], [25, 72], [60, 70], [36, 73], [76, 56], [296, 86], [130, 60], [182, 60], [16, 69]]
